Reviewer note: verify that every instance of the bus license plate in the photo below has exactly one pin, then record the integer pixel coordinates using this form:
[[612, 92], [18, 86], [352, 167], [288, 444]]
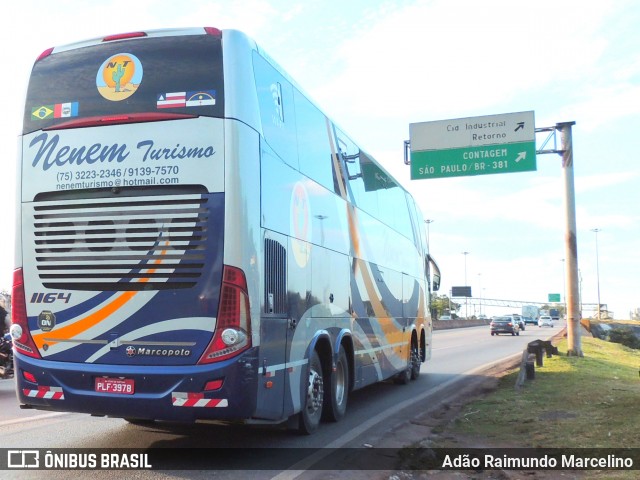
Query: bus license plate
[[124, 386]]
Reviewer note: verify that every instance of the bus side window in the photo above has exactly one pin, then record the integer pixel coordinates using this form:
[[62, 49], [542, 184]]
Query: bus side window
[[363, 199], [314, 149], [275, 98], [419, 225]]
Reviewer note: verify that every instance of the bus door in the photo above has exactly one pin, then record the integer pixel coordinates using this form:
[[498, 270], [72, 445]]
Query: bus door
[[299, 300], [274, 328]]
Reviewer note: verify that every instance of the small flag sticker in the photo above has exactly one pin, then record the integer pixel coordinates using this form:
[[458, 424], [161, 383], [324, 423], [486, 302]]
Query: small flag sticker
[[65, 110], [42, 113], [171, 100], [201, 98], [59, 110]]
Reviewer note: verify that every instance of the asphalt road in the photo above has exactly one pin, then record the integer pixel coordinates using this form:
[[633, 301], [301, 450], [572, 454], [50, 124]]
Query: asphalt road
[[459, 358]]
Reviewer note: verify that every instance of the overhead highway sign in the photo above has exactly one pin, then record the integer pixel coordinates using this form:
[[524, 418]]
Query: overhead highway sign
[[473, 146]]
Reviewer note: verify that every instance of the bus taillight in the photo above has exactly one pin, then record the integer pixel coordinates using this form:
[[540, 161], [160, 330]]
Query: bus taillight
[[233, 327], [45, 54], [213, 31], [20, 334], [123, 36]]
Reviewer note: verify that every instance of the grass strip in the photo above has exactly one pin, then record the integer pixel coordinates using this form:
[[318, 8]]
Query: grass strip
[[572, 403]]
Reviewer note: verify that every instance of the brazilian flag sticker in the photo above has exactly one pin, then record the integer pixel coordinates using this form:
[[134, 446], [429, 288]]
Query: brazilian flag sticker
[[41, 113]]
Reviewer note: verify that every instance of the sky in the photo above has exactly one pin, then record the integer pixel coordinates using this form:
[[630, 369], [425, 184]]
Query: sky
[[375, 67]]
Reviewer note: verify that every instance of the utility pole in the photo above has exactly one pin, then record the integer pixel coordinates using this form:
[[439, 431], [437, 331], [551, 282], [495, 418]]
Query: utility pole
[[571, 242], [466, 308], [564, 287], [480, 282]]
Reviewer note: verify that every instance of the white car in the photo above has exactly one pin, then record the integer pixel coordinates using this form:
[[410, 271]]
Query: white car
[[545, 321], [445, 317]]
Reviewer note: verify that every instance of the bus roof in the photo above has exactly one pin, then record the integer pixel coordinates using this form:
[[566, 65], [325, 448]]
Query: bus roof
[[166, 32]]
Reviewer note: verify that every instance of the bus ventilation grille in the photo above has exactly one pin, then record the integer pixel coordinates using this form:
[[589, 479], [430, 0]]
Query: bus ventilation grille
[[275, 273], [133, 243]]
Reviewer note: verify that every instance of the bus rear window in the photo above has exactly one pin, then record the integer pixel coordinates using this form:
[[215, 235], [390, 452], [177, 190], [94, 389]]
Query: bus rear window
[[177, 74]]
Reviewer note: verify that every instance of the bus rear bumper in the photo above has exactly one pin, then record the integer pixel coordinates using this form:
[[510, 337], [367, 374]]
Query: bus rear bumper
[[173, 393]]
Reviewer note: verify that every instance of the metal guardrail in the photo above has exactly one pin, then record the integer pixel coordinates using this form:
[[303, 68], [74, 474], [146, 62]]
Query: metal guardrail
[[534, 353], [587, 309]]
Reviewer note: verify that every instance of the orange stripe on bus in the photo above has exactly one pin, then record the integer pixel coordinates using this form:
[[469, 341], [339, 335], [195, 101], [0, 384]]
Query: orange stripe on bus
[[74, 329], [80, 326]]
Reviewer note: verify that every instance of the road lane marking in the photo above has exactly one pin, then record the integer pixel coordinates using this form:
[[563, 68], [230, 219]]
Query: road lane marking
[[32, 419], [303, 465]]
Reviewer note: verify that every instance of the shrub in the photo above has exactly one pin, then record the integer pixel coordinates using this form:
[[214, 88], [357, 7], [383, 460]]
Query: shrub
[[624, 336]]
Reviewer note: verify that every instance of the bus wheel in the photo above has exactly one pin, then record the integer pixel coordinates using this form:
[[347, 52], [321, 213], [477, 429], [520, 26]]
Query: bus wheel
[[314, 398], [403, 377], [335, 404], [415, 361]]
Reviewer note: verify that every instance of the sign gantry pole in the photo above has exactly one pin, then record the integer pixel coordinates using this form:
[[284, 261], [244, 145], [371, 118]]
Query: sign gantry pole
[[574, 343]]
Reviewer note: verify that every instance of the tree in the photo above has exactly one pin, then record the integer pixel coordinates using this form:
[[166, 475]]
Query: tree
[[442, 305]]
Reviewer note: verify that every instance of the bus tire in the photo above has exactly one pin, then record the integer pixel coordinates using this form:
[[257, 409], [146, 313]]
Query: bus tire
[[415, 360], [403, 377], [335, 404], [313, 398]]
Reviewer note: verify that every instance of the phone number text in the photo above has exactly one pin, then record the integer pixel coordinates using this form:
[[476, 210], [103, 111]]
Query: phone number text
[[131, 172]]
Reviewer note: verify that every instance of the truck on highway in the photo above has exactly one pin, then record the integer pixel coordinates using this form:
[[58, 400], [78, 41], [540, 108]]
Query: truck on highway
[[530, 314]]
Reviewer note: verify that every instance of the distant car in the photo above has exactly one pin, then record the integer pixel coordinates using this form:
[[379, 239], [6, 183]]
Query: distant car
[[482, 316], [530, 320], [517, 318], [504, 325], [445, 317], [545, 321]]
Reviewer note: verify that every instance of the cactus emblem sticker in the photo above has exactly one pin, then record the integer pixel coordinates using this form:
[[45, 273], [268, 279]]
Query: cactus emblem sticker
[[119, 76]]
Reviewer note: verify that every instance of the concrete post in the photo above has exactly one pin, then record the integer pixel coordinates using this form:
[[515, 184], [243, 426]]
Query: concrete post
[[571, 243]]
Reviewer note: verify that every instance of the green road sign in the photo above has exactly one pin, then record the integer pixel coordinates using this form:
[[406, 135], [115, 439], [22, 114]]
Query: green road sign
[[554, 297], [501, 143], [483, 160]]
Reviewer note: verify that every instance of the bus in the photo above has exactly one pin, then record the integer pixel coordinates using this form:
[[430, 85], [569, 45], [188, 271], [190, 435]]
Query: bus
[[197, 240]]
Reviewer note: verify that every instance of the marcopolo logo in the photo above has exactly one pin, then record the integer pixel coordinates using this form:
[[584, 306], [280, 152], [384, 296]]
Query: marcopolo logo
[[157, 352]]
